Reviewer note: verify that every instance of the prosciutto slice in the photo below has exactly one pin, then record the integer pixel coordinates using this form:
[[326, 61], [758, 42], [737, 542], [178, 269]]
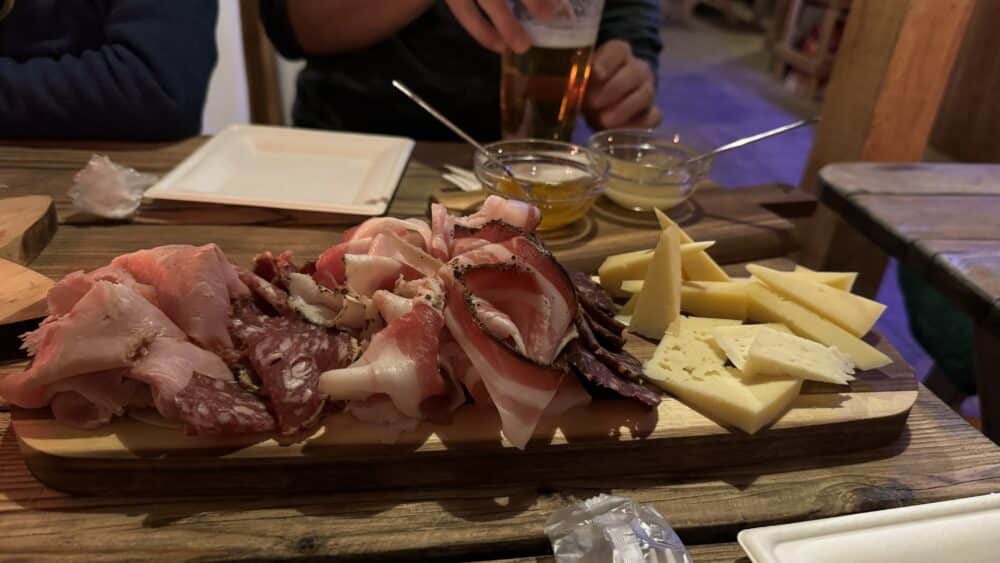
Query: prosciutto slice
[[400, 362], [194, 287], [65, 294], [520, 388], [382, 225], [519, 214], [330, 268]]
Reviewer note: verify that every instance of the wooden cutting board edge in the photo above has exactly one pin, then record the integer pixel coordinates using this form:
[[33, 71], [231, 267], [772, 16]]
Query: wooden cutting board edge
[[823, 421], [29, 223]]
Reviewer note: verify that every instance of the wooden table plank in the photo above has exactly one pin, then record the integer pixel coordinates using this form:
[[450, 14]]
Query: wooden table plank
[[913, 178], [757, 224], [704, 553], [938, 457]]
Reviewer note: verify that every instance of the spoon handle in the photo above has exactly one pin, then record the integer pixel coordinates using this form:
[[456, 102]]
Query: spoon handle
[[754, 138]]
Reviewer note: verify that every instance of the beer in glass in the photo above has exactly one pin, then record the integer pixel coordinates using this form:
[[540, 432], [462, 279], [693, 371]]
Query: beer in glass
[[541, 90]]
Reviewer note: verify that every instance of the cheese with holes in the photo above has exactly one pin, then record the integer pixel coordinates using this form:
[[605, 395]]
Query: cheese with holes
[[839, 280], [688, 365], [726, 300], [852, 312], [778, 353], [697, 266], [619, 267], [735, 341], [659, 302], [764, 305]]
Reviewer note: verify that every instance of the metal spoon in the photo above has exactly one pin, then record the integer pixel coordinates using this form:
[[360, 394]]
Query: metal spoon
[[751, 139], [447, 123]]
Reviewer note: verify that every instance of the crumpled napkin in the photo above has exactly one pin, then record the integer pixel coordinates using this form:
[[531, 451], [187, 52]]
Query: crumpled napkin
[[609, 528], [109, 190]]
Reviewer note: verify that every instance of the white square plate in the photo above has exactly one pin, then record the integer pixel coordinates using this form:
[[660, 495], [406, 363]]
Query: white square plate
[[291, 169], [963, 530]]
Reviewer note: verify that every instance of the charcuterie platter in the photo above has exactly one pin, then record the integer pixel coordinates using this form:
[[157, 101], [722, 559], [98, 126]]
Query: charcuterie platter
[[414, 353]]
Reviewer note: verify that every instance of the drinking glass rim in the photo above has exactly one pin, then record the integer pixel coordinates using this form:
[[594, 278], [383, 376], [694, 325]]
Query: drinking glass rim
[[597, 164]]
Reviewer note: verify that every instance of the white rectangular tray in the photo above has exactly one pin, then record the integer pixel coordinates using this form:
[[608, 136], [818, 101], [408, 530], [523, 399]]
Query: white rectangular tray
[[966, 530], [291, 169]]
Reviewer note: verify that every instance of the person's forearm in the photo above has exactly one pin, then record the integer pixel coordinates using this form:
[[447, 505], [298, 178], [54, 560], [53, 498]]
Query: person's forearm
[[335, 26]]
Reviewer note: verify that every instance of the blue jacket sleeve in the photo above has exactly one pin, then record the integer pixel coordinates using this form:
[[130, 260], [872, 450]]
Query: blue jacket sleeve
[[638, 23], [148, 81]]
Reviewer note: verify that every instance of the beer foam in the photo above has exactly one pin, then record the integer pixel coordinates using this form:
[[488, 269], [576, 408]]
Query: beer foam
[[549, 36]]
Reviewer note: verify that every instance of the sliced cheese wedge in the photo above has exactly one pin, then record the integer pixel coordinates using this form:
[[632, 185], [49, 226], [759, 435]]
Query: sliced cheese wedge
[[839, 280], [764, 305], [726, 300], [688, 365], [659, 302], [779, 353], [620, 267], [696, 247], [735, 341], [697, 266], [632, 286], [852, 312]]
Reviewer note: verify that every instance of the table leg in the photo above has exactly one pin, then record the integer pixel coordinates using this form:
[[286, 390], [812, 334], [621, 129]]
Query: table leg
[[986, 346]]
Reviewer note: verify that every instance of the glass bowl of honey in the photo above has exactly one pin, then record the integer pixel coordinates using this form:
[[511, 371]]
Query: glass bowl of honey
[[562, 179], [649, 169]]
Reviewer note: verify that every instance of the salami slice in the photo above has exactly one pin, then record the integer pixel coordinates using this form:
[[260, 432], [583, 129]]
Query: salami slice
[[213, 406]]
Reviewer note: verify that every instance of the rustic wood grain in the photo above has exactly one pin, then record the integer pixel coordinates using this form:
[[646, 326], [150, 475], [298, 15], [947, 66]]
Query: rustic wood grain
[[27, 224], [970, 117], [118, 458], [705, 553], [22, 293], [758, 223], [939, 457], [892, 67]]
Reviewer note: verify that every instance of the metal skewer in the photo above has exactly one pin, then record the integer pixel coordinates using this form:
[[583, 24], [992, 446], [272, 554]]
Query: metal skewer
[[752, 139], [447, 123]]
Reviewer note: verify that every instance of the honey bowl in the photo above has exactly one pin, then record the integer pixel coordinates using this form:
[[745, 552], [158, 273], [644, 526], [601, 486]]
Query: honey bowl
[[562, 179], [648, 169]]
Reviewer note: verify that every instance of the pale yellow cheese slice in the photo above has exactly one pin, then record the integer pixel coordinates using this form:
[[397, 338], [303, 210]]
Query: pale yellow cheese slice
[[839, 280], [688, 365], [632, 286], [764, 305], [659, 302], [777, 353], [695, 247], [735, 341], [620, 267], [852, 312], [697, 266], [726, 300]]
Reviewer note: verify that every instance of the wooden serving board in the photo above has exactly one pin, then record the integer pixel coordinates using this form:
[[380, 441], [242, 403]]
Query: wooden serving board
[[22, 293], [27, 224], [604, 438]]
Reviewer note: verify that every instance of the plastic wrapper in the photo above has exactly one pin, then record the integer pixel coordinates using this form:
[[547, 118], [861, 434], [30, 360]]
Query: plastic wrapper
[[613, 529], [109, 190]]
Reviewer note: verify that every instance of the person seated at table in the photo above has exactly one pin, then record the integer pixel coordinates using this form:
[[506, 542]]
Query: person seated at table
[[447, 52], [112, 69]]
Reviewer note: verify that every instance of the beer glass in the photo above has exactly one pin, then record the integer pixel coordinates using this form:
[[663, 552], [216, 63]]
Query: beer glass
[[542, 89]]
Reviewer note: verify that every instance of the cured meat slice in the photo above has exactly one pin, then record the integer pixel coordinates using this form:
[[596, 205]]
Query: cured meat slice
[[267, 292], [459, 367], [592, 296], [64, 294], [216, 407], [390, 305], [330, 267], [332, 308], [288, 355], [517, 213], [441, 232], [167, 367], [613, 341], [391, 246], [107, 329], [622, 363], [520, 388], [587, 366], [571, 394], [401, 362], [381, 225], [528, 285], [364, 274], [468, 238], [194, 287], [91, 400], [275, 269]]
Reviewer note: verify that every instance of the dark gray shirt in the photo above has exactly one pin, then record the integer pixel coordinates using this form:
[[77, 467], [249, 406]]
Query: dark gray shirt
[[435, 57]]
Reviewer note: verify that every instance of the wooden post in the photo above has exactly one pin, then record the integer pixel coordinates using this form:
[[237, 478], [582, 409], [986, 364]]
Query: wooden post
[[891, 72], [261, 67]]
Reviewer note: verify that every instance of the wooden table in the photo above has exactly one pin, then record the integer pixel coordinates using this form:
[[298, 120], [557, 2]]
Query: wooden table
[[938, 456], [942, 220]]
